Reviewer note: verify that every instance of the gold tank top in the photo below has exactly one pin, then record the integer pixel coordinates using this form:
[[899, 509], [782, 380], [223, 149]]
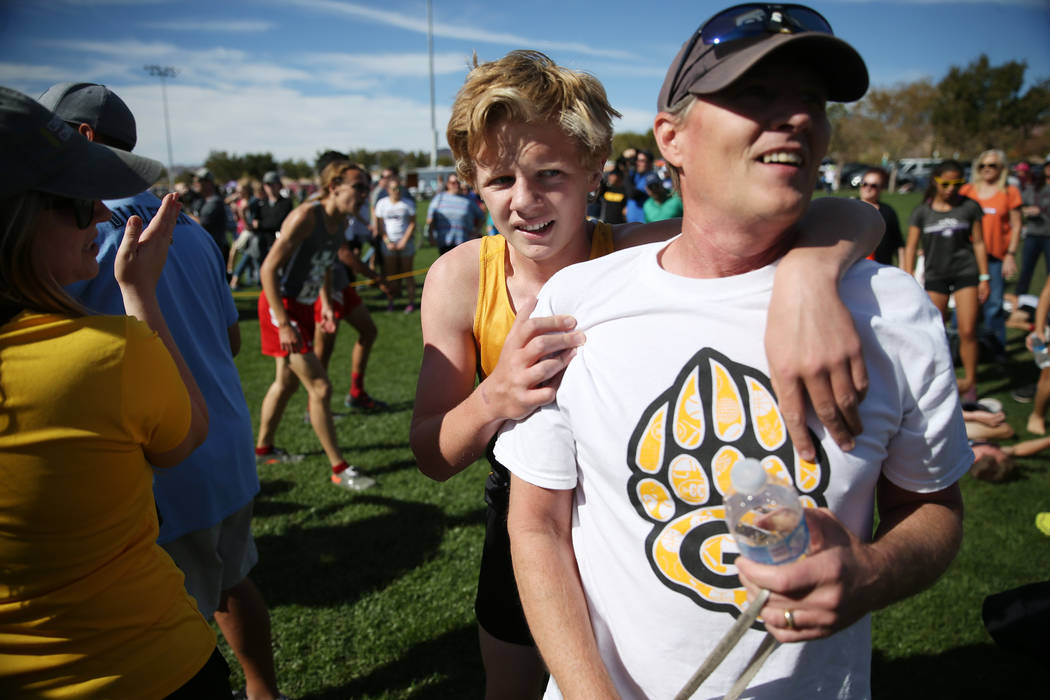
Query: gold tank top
[[494, 315]]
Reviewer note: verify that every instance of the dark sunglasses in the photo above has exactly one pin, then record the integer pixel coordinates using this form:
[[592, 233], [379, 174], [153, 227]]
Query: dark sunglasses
[[83, 210], [994, 166], [360, 187], [751, 20], [876, 185], [754, 19]]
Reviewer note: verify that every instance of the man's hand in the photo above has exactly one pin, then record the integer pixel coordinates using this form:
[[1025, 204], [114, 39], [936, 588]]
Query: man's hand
[[826, 591], [141, 256], [534, 354]]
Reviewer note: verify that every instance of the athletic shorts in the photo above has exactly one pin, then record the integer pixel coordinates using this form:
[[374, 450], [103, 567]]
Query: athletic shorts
[[947, 286], [216, 558], [498, 605], [343, 302], [957, 272], [301, 316]]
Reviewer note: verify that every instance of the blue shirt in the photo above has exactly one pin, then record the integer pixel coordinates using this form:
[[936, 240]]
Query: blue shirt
[[455, 218], [219, 478]]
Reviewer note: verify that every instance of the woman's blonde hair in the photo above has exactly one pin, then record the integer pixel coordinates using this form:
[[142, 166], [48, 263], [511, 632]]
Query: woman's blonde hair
[[24, 283], [528, 87], [975, 172]]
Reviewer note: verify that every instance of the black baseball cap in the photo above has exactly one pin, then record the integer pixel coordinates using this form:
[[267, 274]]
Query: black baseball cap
[[95, 105], [40, 151]]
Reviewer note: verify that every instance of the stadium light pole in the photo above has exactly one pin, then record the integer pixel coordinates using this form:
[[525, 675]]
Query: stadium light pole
[[165, 72], [430, 52]]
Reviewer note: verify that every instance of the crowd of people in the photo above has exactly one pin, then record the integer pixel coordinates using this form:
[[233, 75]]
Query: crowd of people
[[764, 334]]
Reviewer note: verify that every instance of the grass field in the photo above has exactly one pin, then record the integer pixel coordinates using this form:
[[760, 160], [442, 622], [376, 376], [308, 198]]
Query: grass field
[[371, 593]]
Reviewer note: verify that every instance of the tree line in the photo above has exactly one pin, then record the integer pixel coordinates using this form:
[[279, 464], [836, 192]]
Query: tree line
[[231, 166]]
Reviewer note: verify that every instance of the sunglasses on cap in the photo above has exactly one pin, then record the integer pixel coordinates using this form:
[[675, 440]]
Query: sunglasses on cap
[[83, 210], [754, 19], [944, 182], [748, 21]]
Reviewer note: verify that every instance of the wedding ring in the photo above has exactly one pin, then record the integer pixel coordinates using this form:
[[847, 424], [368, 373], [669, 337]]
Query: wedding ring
[[789, 618]]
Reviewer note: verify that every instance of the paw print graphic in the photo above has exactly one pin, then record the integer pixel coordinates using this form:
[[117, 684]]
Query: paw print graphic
[[680, 456]]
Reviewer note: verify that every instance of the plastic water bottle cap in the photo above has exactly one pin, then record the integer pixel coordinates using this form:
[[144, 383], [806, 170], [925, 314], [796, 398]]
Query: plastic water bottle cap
[[748, 476]]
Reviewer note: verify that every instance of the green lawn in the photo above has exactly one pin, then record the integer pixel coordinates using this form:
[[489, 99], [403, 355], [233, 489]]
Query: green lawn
[[371, 594]]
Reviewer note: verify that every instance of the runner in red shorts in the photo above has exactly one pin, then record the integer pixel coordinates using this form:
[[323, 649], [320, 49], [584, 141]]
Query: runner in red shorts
[[295, 274], [347, 305]]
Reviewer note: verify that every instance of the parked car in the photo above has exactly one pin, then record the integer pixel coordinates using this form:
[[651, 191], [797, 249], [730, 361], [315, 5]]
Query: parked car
[[852, 174]]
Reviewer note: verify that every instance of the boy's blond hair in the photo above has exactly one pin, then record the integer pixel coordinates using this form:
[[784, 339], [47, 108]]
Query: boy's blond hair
[[528, 87]]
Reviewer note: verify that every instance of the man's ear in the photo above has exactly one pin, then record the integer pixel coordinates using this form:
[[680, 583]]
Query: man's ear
[[86, 131], [666, 131]]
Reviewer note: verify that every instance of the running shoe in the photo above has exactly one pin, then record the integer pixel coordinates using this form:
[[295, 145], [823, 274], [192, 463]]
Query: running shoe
[[1023, 394], [364, 402], [278, 456], [353, 480]]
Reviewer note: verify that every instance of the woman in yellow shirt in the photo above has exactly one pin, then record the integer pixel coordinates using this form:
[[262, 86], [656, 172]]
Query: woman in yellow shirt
[[90, 606]]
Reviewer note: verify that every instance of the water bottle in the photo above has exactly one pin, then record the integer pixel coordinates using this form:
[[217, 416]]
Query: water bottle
[[1042, 356], [764, 515]]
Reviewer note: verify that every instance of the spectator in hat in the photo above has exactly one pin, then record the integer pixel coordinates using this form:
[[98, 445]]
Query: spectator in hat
[[662, 204], [205, 502], [90, 605], [270, 212], [618, 533], [211, 210], [636, 180]]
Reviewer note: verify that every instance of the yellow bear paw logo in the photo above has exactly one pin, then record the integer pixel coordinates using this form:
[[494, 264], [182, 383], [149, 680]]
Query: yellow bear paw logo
[[680, 456]]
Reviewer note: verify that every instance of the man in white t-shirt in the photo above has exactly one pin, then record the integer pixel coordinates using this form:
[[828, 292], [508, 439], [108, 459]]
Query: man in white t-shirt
[[627, 573]]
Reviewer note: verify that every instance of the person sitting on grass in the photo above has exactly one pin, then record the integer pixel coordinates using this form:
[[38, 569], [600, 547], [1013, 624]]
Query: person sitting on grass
[[532, 137], [295, 274], [1037, 418]]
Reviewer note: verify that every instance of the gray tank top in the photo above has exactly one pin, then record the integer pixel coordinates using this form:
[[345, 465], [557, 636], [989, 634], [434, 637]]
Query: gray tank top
[[303, 274]]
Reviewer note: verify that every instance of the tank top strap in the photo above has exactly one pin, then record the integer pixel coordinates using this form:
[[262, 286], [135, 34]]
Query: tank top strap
[[493, 316], [601, 240]]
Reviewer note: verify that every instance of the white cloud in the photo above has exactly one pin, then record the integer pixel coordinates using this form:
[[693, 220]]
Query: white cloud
[[414, 65], [449, 31], [277, 120], [227, 26], [21, 74], [133, 48], [633, 119]]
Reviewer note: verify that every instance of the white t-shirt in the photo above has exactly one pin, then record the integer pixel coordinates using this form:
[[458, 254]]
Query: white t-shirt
[[669, 390], [396, 217]]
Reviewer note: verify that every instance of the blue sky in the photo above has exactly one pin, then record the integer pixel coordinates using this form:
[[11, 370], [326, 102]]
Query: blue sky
[[294, 77]]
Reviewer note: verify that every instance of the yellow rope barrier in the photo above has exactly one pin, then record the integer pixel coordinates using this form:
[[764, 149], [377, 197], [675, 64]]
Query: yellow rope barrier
[[250, 293]]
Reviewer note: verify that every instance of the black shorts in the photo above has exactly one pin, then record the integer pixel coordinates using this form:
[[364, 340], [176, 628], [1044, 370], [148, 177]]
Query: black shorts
[[957, 272], [498, 606], [949, 285]]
